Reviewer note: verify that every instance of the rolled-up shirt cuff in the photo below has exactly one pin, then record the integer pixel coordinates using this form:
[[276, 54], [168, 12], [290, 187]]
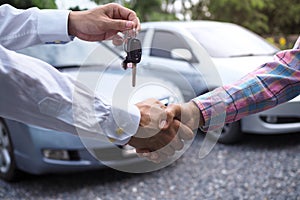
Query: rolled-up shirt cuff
[[53, 26], [123, 124], [213, 107], [205, 115]]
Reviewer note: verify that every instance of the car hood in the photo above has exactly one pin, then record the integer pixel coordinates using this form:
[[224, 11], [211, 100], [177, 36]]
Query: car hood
[[117, 86], [232, 69], [146, 87]]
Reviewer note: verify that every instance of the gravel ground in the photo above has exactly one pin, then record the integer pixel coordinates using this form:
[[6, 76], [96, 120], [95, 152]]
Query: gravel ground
[[259, 167]]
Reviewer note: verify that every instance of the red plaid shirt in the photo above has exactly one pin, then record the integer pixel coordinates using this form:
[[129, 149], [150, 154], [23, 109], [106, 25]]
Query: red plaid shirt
[[271, 84]]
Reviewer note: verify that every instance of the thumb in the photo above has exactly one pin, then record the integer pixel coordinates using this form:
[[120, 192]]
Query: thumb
[[121, 25], [172, 111]]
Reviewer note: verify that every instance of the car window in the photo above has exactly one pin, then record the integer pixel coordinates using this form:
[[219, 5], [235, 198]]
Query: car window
[[75, 53], [120, 49], [229, 40], [141, 36], [164, 42]]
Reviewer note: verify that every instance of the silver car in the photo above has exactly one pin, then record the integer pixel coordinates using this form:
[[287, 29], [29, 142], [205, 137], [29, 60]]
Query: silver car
[[234, 50], [27, 148]]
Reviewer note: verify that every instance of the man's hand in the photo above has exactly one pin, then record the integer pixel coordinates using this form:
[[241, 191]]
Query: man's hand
[[190, 117], [102, 23], [159, 131], [167, 140], [188, 113]]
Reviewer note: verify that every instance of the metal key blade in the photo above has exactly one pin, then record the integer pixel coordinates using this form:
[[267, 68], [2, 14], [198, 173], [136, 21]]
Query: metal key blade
[[133, 74]]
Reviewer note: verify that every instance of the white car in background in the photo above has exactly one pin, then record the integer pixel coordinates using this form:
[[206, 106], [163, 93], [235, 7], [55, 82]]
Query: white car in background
[[36, 150], [234, 50]]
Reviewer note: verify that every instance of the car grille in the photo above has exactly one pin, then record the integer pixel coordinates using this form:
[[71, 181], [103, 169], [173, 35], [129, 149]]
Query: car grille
[[109, 154], [280, 120]]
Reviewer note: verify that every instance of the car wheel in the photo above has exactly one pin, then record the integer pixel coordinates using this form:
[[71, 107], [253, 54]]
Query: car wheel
[[231, 133], [8, 169]]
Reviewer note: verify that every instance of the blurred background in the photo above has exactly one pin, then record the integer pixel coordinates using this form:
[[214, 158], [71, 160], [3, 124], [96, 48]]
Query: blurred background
[[258, 167], [277, 21]]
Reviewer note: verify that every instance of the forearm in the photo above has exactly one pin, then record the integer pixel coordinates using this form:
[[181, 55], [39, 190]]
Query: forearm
[[271, 84], [36, 93]]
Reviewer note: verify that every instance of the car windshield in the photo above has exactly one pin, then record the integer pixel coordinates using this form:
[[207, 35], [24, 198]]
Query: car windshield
[[229, 40], [74, 54]]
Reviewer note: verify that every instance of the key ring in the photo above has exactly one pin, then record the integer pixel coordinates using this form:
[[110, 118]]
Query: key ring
[[127, 36]]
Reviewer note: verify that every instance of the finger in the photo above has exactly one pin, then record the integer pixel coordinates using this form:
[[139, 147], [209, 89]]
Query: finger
[[121, 25], [155, 157], [143, 153], [171, 138], [152, 156], [174, 110], [98, 37], [168, 150], [158, 116], [124, 18], [147, 111], [127, 14], [177, 144], [137, 24], [185, 133], [162, 119], [117, 40], [165, 124], [158, 157]]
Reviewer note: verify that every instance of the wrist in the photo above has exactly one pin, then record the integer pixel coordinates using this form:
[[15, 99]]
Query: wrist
[[73, 19], [71, 29], [195, 114]]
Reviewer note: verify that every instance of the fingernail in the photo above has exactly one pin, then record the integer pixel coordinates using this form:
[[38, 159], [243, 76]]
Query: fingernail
[[162, 124], [129, 24], [146, 154], [154, 156]]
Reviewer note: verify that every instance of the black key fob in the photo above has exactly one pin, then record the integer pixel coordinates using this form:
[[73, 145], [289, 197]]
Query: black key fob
[[134, 51]]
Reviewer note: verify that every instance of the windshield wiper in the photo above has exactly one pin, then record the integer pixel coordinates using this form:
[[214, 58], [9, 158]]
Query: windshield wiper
[[76, 66], [252, 54], [67, 66], [117, 53]]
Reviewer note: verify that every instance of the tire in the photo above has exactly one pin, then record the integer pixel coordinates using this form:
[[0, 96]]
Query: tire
[[8, 168], [231, 133]]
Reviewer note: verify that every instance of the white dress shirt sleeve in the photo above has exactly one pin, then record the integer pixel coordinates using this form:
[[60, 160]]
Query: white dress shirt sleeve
[[23, 28], [34, 92]]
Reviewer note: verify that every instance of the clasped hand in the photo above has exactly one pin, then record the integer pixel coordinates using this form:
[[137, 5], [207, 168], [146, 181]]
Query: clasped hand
[[163, 130]]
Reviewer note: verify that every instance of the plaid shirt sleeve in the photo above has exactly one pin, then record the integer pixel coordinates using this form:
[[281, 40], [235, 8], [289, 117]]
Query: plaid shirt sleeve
[[269, 85]]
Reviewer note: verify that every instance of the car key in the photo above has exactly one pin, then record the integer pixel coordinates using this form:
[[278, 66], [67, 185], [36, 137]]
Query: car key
[[134, 55], [133, 74]]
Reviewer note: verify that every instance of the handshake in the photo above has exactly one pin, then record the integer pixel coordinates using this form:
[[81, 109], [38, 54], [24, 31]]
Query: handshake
[[163, 129]]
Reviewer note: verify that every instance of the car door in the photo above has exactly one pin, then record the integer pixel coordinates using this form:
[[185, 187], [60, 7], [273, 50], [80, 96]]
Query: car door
[[159, 61]]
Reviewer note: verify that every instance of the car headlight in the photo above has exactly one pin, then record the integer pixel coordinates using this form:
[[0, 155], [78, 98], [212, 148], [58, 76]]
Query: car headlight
[[59, 154]]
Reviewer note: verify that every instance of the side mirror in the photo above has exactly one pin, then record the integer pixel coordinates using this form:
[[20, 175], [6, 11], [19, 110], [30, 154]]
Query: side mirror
[[181, 54]]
